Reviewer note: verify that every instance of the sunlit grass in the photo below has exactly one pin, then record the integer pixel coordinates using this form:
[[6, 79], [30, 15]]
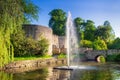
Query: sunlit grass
[[62, 55], [32, 58], [37, 57]]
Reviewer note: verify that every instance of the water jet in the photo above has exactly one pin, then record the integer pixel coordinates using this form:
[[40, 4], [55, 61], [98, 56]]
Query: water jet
[[73, 59]]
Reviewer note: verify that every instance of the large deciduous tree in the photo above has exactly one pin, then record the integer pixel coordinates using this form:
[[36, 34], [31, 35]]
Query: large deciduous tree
[[11, 18], [12, 15], [110, 35], [105, 32], [79, 24], [30, 10], [89, 30], [57, 21]]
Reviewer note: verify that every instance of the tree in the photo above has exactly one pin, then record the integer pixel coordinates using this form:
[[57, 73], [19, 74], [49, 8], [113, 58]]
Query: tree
[[57, 21], [105, 32], [101, 32], [110, 35], [30, 10], [79, 24], [11, 18], [12, 15], [89, 30]]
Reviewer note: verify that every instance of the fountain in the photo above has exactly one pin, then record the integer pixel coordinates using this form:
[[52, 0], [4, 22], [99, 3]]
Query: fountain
[[73, 56], [72, 45]]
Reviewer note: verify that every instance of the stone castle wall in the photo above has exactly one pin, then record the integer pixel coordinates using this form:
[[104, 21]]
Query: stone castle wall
[[62, 44], [56, 43], [36, 31], [62, 41]]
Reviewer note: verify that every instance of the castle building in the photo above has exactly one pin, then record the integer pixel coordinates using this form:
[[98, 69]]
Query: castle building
[[57, 44]]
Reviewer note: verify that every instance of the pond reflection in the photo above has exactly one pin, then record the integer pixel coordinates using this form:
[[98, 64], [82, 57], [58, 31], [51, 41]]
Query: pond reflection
[[5, 76], [103, 72], [40, 74], [91, 75]]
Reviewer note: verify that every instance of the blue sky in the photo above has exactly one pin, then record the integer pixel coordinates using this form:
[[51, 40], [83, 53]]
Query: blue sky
[[96, 10]]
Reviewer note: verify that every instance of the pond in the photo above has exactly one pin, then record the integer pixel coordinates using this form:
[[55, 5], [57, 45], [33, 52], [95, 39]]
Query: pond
[[108, 71]]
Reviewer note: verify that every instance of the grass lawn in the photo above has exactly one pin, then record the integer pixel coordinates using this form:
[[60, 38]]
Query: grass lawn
[[31, 58]]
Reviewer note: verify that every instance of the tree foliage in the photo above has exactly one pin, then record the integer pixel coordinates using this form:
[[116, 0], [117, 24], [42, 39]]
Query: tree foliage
[[105, 32], [30, 10], [86, 43], [11, 19], [115, 44], [12, 16], [57, 21], [23, 46], [99, 44], [27, 46], [89, 30], [79, 24], [43, 44]]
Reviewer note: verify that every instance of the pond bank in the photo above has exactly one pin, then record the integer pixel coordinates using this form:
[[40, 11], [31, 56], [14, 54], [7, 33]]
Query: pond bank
[[33, 64]]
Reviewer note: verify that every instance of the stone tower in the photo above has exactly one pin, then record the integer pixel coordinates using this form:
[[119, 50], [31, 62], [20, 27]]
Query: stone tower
[[57, 44], [36, 30]]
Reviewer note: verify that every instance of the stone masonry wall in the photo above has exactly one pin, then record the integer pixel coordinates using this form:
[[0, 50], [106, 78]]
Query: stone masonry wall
[[92, 54], [21, 66], [62, 41], [57, 44], [36, 31]]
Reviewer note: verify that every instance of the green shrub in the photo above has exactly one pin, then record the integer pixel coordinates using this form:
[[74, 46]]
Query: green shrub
[[62, 55], [27, 46], [117, 57], [113, 57], [86, 43], [99, 44], [101, 59], [23, 46], [43, 45]]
